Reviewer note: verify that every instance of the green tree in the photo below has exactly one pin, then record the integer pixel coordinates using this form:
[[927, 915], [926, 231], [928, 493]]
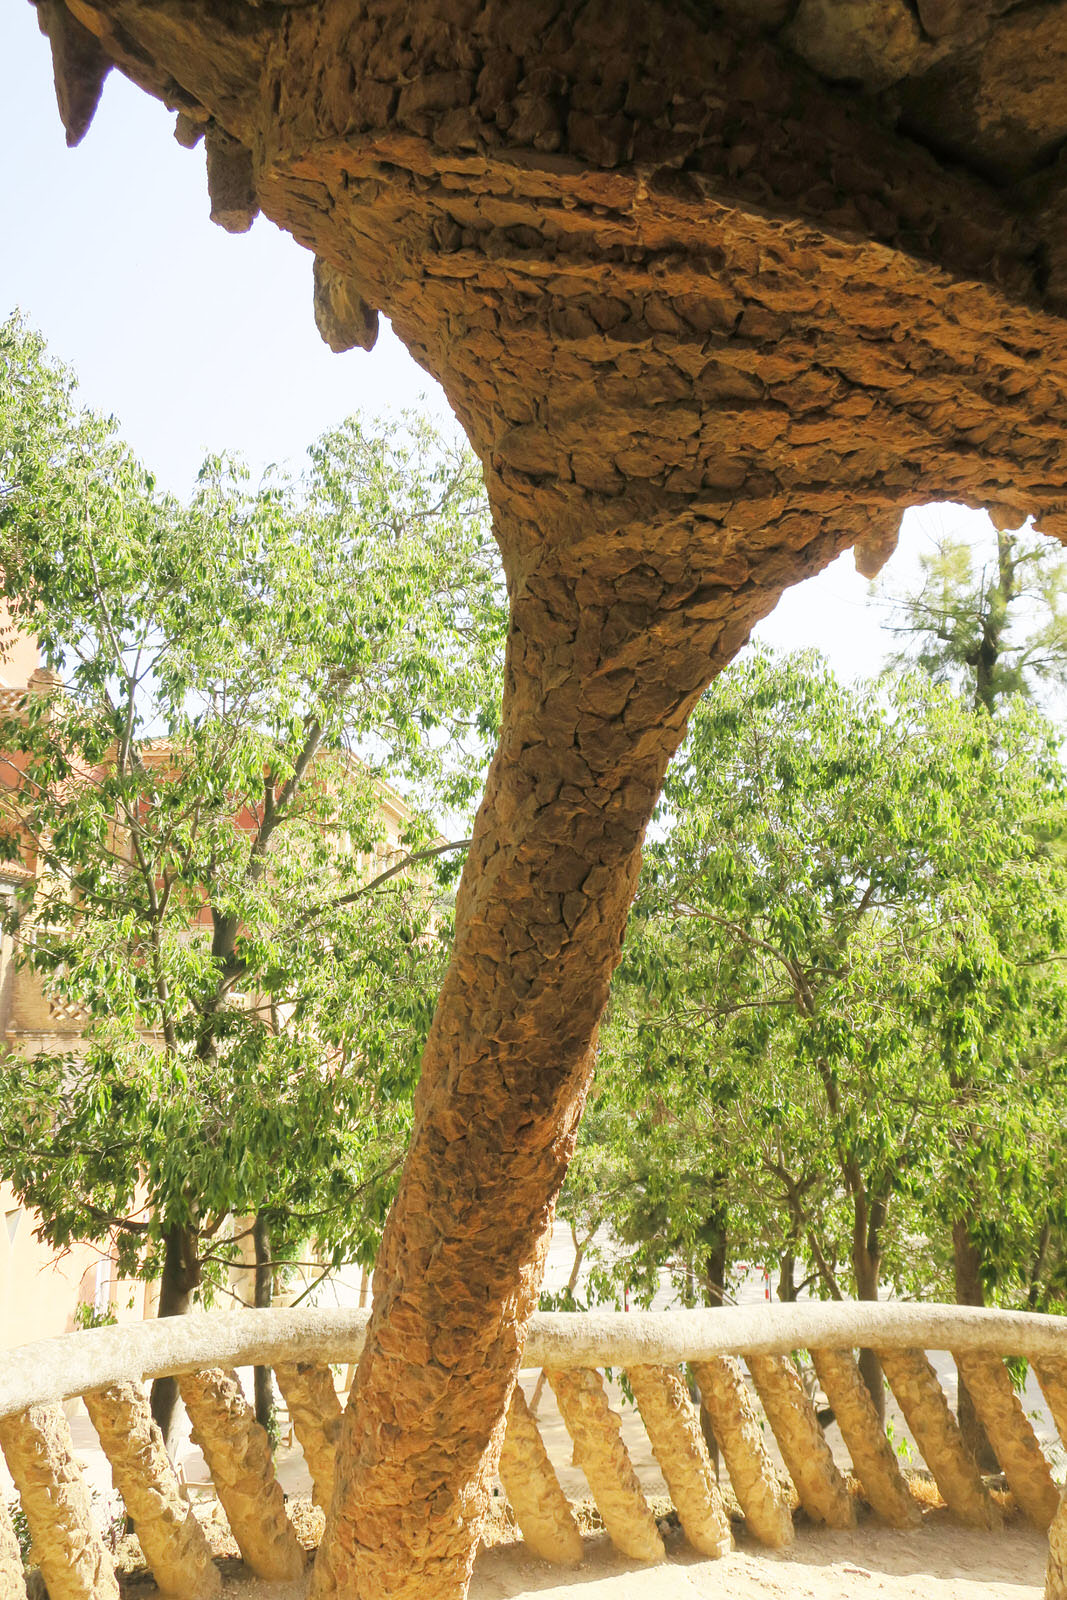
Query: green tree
[[839, 1007], [988, 616], [200, 786]]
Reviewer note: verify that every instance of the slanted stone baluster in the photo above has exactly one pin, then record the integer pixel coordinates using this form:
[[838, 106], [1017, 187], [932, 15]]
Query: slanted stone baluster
[[822, 1490], [238, 1455], [872, 1454], [68, 1549], [673, 1428], [533, 1490], [1056, 1575], [737, 1429], [172, 1540], [1052, 1376], [315, 1412], [1011, 1436], [936, 1432], [602, 1456], [12, 1580]]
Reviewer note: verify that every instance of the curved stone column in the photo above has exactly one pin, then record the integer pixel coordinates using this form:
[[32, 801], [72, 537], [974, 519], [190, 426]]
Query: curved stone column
[[1056, 1575], [822, 1490], [1009, 1432], [533, 1490], [673, 1429], [872, 1454], [239, 1459], [69, 1551], [602, 1456], [315, 1412], [172, 1540], [936, 1432], [740, 1438], [1052, 1377]]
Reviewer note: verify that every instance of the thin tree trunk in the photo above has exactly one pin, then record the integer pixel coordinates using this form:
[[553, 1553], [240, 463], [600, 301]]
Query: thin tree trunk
[[572, 1284], [867, 1268], [970, 1291], [179, 1280], [263, 1378], [716, 1262]]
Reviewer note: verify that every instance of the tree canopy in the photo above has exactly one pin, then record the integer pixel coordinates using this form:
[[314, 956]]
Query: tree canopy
[[241, 682], [839, 1017]]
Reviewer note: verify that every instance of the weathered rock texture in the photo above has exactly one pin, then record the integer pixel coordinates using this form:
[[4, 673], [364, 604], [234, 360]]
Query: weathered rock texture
[[708, 318], [172, 1540], [66, 1546], [315, 1412], [1009, 1432]]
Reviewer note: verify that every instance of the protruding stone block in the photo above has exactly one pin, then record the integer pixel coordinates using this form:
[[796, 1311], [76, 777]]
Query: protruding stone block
[[231, 182], [342, 316], [79, 65]]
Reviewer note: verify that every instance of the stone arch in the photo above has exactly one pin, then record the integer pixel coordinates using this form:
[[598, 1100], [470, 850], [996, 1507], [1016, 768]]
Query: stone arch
[[716, 293]]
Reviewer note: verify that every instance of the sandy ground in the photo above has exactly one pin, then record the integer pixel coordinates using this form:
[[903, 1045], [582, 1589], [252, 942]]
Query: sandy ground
[[939, 1561]]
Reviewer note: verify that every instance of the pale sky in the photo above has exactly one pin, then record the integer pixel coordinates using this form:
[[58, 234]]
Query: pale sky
[[198, 340]]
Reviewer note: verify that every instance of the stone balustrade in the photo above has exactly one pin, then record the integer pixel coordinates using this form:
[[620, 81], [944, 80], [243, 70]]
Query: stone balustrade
[[110, 1367]]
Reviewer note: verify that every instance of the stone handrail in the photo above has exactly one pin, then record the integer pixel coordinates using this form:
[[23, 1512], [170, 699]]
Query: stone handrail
[[110, 1366]]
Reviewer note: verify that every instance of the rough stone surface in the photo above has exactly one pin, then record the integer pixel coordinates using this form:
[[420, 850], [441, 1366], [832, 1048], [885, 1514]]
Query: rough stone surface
[[79, 66], [934, 1429], [822, 1490], [739, 1436], [602, 1456], [315, 1412], [708, 318], [239, 1459], [1009, 1432], [172, 1540], [1056, 1579], [673, 1429], [1051, 1374], [12, 1581], [69, 1551], [533, 1490], [342, 316], [230, 181], [872, 1455]]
